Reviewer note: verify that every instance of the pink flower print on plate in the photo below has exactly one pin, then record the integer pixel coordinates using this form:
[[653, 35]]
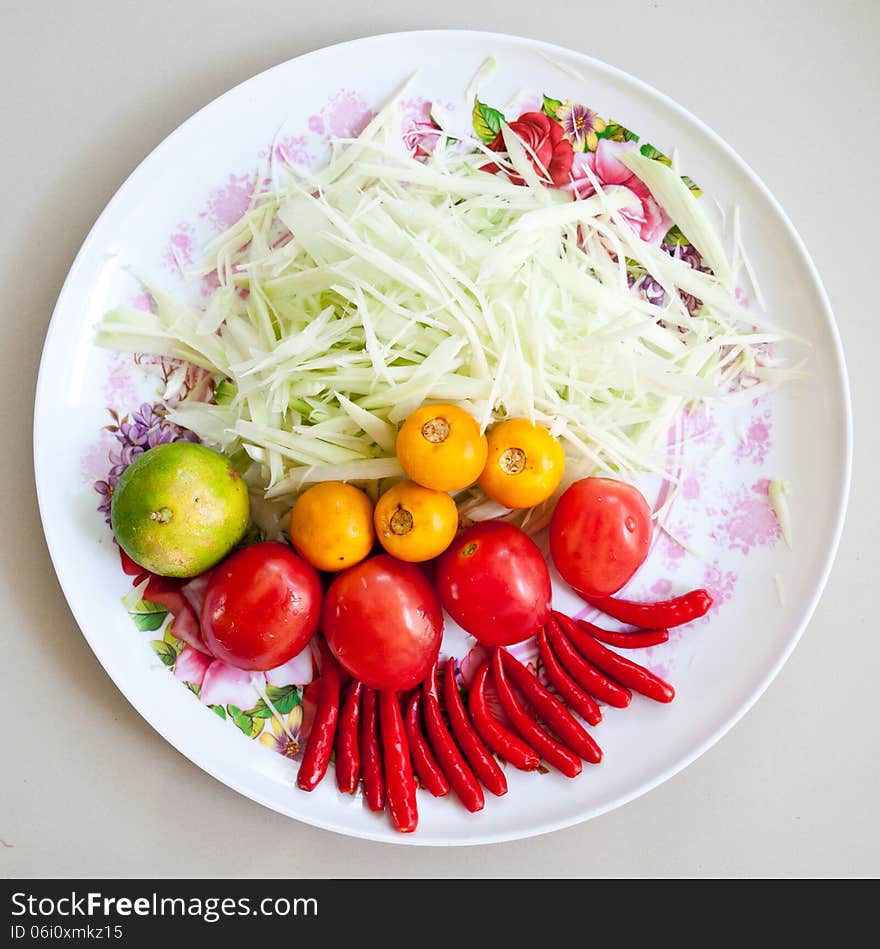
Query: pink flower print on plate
[[346, 115], [669, 550], [143, 301], [690, 488], [119, 387], [292, 149], [755, 440], [418, 129], [209, 283], [297, 671], [747, 520], [700, 427], [663, 670], [94, 459], [191, 666], [181, 247], [662, 588], [225, 685], [720, 584], [646, 217], [228, 203]]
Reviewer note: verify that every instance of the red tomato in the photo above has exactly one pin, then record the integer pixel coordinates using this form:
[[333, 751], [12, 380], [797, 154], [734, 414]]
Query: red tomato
[[494, 583], [261, 607], [599, 535], [383, 622]]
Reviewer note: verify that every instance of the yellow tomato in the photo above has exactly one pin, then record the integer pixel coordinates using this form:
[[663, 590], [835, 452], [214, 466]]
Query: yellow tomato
[[524, 466], [331, 526], [415, 523], [440, 447]]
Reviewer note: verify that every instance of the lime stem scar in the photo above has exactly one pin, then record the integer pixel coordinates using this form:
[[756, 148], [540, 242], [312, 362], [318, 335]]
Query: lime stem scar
[[162, 516]]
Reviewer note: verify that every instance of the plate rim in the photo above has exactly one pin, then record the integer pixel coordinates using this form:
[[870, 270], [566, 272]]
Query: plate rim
[[548, 826]]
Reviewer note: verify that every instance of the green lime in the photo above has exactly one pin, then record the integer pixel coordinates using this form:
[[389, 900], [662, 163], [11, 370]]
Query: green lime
[[179, 509]]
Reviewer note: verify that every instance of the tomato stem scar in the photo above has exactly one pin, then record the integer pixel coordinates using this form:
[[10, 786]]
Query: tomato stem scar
[[435, 430], [401, 521], [512, 461]]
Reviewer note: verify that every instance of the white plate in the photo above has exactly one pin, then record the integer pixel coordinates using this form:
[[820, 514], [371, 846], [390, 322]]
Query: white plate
[[719, 666]]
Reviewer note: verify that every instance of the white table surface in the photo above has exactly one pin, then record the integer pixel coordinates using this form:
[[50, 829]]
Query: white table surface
[[89, 789]]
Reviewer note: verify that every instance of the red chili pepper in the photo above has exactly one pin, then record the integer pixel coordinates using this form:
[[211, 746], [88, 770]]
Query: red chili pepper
[[661, 615], [550, 710], [555, 754], [496, 736], [456, 769], [584, 673], [625, 671], [428, 771], [348, 753], [399, 780], [371, 753], [584, 704], [634, 639], [477, 754], [319, 746]]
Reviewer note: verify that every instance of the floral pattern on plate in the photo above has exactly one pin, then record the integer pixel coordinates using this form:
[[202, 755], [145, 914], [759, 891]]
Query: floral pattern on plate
[[572, 147]]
